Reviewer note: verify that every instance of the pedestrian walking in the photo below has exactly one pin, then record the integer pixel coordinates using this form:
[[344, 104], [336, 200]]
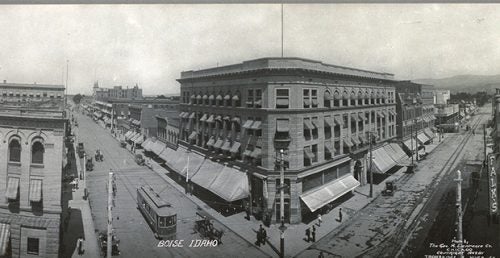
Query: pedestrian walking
[[80, 246], [264, 236], [321, 255], [259, 238], [314, 235], [340, 215], [319, 220], [308, 234]]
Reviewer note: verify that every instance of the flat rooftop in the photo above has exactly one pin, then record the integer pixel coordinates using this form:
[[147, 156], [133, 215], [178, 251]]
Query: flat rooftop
[[285, 63], [6, 84]]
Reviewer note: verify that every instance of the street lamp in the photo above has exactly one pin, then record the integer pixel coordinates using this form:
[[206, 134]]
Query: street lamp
[[282, 237], [370, 133]]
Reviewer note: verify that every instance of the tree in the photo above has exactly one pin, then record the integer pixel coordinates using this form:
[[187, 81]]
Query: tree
[[161, 97], [77, 98]]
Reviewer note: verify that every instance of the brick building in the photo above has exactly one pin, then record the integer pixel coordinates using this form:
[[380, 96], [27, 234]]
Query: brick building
[[415, 114], [32, 133], [117, 92], [322, 116]]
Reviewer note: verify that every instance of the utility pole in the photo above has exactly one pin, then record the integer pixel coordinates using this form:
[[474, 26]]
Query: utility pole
[[416, 140], [459, 208], [484, 140], [110, 215], [282, 228], [371, 161], [282, 185], [411, 144], [84, 166], [66, 88]]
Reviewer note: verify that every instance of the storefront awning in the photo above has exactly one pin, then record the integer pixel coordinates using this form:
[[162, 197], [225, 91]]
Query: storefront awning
[[235, 148], [211, 141], [192, 115], [329, 121], [134, 138], [4, 238], [248, 124], [429, 133], [380, 114], [236, 120], [35, 190], [127, 134], [396, 152], [354, 118], [193, 135], [218, 144], [207, 173], [12, 188], [256, 125], [422, 138], [381, 161], [166, 154], [180, 162], [210, 119], [139, 139], [329, 192], [361, 117], [226, 146], [157, 147], [411, 144], [230, 184], [146, 145], [203, 118]]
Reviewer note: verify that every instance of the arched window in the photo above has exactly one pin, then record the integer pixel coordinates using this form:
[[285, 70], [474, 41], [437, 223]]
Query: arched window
[[37, 151], [15, 150], [327, 99]]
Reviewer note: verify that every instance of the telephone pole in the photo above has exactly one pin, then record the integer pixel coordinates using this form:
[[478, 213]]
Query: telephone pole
[[110, 215], [459, 208]]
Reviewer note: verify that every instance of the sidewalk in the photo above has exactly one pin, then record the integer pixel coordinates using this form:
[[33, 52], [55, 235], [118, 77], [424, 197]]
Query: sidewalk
[[90, 244]]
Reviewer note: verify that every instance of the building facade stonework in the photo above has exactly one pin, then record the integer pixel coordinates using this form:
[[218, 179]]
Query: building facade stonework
[[31, 162], [321, 115]]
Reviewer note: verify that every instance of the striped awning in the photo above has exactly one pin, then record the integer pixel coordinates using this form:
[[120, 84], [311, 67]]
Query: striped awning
[[12, 188], [4, 238], [35, 190], [226, 146]]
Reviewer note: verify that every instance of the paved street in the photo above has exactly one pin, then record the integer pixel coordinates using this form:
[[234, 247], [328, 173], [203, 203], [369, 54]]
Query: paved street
[[137, 239], [381, 228]]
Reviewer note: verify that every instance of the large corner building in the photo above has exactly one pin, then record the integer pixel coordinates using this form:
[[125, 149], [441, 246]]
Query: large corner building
[[322, 116]]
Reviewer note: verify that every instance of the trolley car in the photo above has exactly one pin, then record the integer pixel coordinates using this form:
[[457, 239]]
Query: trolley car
[[159, 214]]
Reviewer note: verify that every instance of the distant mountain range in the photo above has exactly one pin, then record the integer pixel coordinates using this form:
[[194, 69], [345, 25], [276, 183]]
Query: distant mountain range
[[465, 83]]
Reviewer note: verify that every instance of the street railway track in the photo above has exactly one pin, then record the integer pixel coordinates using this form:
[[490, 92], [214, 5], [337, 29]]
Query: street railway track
[[393, 242]]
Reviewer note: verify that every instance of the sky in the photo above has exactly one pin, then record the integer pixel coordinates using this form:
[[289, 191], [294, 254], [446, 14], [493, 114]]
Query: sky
[[150, 45]]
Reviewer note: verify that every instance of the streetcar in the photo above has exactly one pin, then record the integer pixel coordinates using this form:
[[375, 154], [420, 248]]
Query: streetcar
[[159, 214]]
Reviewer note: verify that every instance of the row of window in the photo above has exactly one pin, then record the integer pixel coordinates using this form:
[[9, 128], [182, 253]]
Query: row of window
[[37, 151], [31, 95], [310, 99]]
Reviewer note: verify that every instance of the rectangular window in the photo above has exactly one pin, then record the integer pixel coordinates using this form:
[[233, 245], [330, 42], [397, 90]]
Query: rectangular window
[[33, 245], [282, 98], [249, 101], [315, 152], [306, 98], [345, 119], [314, 98], [258, 98]]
